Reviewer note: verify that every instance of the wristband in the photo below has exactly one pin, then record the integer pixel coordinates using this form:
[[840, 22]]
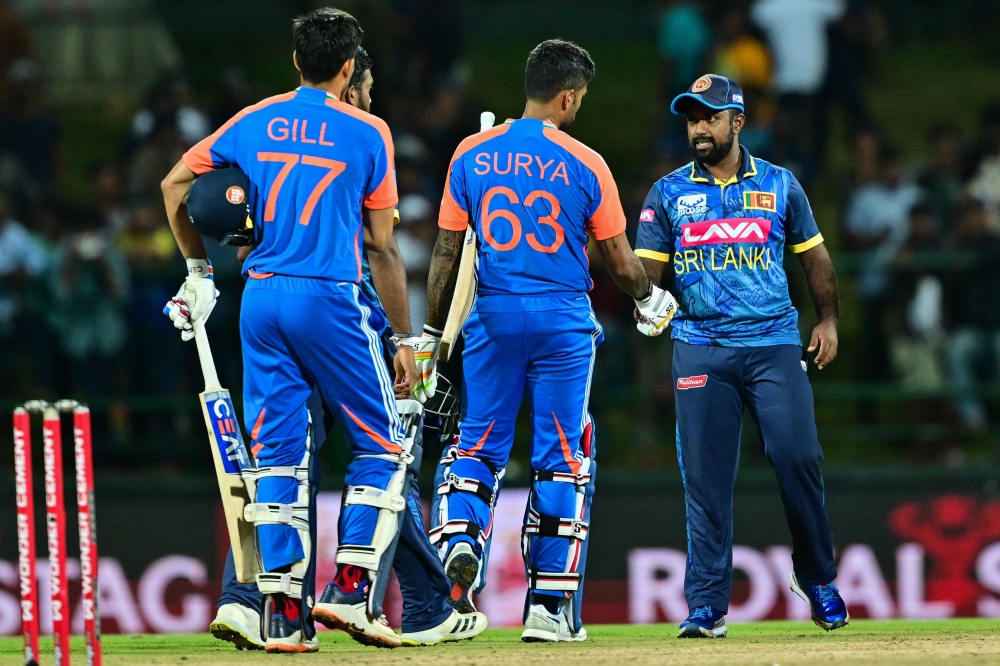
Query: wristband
[[399, 337], [201, 268], [432, 332]]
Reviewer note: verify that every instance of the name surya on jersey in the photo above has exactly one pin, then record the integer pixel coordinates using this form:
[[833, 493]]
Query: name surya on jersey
[[487, 163]]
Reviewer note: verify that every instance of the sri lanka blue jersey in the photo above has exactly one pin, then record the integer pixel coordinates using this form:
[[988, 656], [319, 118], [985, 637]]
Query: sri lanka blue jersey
[[313, 161], [725, 242], [532, 194]]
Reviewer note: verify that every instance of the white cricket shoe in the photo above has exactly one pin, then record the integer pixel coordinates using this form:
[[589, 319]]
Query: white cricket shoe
[[239, 625], [348, 612], [458, 627], [541, 626]]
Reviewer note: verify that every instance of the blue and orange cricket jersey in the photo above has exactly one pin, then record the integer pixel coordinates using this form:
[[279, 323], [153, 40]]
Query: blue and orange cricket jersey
[[313, 162], [532, 193]]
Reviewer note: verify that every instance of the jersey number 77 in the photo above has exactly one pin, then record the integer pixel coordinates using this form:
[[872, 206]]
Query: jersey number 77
[[291, 160]]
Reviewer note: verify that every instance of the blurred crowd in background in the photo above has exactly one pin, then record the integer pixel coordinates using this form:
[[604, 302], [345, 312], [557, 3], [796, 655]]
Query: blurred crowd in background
[[82, 285]]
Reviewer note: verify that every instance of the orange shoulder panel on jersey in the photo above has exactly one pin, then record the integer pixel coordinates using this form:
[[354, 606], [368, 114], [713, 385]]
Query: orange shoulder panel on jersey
[[609, 218], [385, 195], [199, 157], [452, 217]]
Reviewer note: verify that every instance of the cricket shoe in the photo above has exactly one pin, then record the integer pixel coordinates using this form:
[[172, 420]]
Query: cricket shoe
[[458, 627], [828, 608], [349, 613], [285, 633], [542, 626], [239, 625], [704, 622], [462, 569]]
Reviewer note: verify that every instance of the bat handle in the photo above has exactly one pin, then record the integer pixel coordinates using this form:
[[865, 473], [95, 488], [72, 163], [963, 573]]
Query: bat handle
[[486, 120], [205, 356]]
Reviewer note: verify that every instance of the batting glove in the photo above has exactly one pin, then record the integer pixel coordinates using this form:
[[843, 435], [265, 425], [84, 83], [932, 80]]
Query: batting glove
[[425, 352], [195, 299], [655, 311]]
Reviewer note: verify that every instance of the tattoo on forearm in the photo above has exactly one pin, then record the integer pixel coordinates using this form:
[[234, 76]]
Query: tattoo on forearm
[[443, 276]]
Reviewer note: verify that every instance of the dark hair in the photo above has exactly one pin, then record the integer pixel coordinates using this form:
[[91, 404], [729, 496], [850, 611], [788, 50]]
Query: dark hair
[[554, 66], [362, 63], [324, 40]]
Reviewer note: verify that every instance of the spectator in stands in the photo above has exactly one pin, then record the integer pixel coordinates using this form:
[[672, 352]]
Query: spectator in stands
[[797, 33], [856, 40], [917, 299], [985, 183], [740, 53], [876, 224], [415, 239], [169, 102], [22, 262], [15, 42], [108, 190], [28, 130], [165, 145], [682, 40], [940, 178], [973, 344], [986, 142]]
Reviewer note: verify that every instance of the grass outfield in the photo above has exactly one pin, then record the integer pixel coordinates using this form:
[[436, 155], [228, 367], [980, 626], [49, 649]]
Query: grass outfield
[[951, 642]]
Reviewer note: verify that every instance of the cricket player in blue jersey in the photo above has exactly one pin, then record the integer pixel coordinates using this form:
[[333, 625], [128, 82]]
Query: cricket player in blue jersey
[[532, 194], [314, 163], [719, 226], [428, 615]]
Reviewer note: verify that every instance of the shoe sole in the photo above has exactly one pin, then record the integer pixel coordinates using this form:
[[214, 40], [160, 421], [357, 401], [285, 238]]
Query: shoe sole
[[793, 583], [284, 648], [539, 636], [463, 569], [226, 632], [331, 620], [700, 632]]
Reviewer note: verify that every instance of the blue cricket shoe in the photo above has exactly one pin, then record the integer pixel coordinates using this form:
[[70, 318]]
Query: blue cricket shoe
[[704, 622], [828, 608]]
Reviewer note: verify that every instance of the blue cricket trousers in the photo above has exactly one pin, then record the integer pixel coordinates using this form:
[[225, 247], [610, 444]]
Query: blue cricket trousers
[[713, 386]]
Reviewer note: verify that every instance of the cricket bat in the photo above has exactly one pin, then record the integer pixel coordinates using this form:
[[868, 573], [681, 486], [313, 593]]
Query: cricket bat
[[465, 286], [230, 455]]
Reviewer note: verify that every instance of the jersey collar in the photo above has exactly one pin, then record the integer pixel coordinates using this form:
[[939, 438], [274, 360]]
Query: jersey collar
[[511, 121], [748, 169], [315, 94]]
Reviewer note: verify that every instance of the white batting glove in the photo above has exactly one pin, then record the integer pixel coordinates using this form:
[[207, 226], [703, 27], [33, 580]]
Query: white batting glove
[[425, 352], [655, 311], [195, 299]]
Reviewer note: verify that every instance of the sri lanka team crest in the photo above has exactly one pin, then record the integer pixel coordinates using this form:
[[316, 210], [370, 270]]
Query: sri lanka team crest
[[704, 83], [760, 201]]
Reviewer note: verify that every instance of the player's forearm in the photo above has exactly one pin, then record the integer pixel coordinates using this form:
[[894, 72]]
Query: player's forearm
[[626, 269], [654, 270], [389, 276], [822, 281], [175, 188], [443, 276]]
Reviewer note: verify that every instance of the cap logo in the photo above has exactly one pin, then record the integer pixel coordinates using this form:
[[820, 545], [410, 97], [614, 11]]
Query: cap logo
[[235, 195], [702, 84], [737, 99]]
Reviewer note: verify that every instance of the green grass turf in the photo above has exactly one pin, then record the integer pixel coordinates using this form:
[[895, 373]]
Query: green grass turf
[[973, 641]]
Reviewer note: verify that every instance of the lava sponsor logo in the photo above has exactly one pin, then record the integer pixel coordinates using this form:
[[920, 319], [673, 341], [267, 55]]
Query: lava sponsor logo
[[760, 201], [734, 230], [698, 381], [692, 204], [647, 215]]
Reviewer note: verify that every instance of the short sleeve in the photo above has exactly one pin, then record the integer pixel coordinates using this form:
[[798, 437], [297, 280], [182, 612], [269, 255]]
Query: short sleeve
[[380, 192], [801, 231], [215, 151], [607, 219], [453, 216], [653, 240]]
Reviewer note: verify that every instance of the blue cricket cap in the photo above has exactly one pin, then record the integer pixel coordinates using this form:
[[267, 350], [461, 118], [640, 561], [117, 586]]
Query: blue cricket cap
[[218, 203], [711, 90]]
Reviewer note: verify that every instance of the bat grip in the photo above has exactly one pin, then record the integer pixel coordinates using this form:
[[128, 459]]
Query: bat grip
[[205, 355], [486, 120]]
